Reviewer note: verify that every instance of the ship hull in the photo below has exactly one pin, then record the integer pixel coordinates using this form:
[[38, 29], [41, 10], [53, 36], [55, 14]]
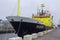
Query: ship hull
[[24, 27]]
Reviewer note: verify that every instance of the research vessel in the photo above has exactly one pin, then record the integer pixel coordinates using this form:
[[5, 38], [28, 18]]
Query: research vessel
[[24, 25]]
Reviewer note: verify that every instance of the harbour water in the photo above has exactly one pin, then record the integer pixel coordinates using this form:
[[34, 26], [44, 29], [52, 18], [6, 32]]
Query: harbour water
[[6, 36]]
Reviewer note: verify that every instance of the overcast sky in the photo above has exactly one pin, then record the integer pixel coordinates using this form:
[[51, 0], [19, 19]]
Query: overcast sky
[[9, 8]]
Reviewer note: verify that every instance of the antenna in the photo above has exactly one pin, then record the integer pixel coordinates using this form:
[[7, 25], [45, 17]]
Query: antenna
[[18, 10]]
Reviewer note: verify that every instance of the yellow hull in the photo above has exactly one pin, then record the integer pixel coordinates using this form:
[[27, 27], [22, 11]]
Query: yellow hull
[[46, 21]]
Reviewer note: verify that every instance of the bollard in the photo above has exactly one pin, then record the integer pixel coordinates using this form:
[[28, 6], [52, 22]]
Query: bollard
[[40, 34], [44, 32], [16, 38], [27, 37], [12, 38], [19, 38], [34, 35], [48, 31]]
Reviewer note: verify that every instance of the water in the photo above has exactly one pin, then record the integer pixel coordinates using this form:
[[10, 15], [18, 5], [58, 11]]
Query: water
[[6, 36]]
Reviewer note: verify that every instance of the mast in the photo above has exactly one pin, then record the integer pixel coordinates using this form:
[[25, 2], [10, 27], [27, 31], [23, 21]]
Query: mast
[[42, 6], [18, 9]]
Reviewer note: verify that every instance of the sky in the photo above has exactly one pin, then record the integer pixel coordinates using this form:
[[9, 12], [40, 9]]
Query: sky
[[29, 7]]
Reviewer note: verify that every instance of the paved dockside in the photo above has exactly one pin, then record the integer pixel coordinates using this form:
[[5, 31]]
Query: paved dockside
[[54, 35]]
